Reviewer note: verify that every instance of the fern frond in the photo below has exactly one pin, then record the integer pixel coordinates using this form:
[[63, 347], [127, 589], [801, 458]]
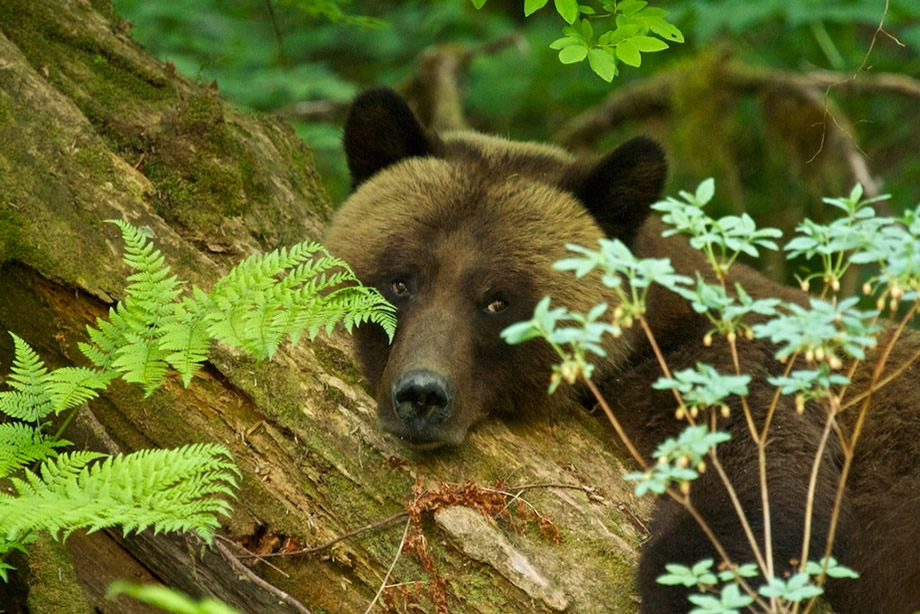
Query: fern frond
[[22, 444], [8, 546], [30, 400], [184, 335], [72, 386], [169, 490], [39, 392], [141, 360], [106, 338]]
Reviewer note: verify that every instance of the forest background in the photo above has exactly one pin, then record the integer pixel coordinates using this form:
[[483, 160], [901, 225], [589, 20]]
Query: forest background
[[782, 102]]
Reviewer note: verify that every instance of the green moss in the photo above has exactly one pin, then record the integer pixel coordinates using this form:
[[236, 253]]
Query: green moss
[[11, 233], [335, 361], [53, 587]]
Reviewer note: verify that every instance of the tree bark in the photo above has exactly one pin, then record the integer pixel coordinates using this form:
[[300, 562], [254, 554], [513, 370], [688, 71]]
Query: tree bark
[[93, 128]]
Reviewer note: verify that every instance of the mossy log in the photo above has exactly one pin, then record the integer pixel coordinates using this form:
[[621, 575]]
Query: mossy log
[[93, 128]]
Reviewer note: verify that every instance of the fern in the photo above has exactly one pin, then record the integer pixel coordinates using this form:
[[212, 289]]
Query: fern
[[22, 445], [264, 301], [261, 303], [38, 393], [169, 490]]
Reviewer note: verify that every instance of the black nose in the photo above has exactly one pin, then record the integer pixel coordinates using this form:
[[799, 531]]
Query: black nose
[[422, 398]]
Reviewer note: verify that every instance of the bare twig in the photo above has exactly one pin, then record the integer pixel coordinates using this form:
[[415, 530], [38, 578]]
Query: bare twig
[[369, 527], [250, 575], [383, 584], [250, 554]]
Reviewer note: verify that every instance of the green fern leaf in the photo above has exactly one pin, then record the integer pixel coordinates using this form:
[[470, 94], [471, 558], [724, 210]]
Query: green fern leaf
[[141, 360], [72, 386], [30, 400], [184, 335], [168, 490], [22, 445]]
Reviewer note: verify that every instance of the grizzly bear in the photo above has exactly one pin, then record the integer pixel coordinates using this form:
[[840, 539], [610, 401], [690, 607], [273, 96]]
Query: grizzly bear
[[459, 231]]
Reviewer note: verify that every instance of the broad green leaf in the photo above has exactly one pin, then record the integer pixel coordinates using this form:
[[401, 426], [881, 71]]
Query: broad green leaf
[[568, 9], [628, 53], [603, 64], [631, 7], [666, 30], [532, 6], [649, 44], [573, 54], [566, 41]]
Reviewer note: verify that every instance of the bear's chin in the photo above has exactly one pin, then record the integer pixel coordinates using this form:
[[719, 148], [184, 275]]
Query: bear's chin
[[426, 439]]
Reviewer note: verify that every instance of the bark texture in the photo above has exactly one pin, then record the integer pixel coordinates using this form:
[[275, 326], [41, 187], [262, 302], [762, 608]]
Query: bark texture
[[93, 128]]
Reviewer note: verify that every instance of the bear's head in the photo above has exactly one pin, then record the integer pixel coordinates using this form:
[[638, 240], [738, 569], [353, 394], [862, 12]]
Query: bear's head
[[459, 231]]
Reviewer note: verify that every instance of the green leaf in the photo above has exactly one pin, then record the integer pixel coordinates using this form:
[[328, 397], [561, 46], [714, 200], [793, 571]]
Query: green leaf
[[573, 54], [631, 7], [568, 9], [628, 53], [649, 44], [603, 64], [169, 490], [168, 599], [478, 3], [566, 41], [532, 6], [665, 30], [705, 191]]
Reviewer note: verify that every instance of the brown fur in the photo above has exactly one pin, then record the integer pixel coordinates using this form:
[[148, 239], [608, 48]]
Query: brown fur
[[464, 219]]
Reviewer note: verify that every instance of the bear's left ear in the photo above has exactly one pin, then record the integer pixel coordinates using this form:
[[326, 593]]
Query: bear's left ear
[[618, 189], [381, 130]]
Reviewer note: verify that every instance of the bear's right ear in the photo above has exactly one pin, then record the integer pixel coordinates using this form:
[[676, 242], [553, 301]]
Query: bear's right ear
[[619, 188], [382, 130]]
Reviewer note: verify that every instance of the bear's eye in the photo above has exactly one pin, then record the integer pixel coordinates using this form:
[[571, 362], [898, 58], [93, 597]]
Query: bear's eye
[[399, 288], [496, 306]]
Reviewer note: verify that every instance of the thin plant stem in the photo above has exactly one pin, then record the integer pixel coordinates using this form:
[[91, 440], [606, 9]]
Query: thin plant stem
[[813, 482], [736, 503], [383, 584], [765, 561], [660, 357], [883, 382], [849, 449], [616, 425]]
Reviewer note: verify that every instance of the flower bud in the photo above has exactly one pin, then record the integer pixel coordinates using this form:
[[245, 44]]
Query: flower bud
[[685, 487], [799, 404], [725, 411], [748, 333], [819, 354], [867, 288], [835, 284], [731, 336], [805, 285], [834, 362], [694, 411], [701, 467], [707, 339], [680, 414], [809, 355]]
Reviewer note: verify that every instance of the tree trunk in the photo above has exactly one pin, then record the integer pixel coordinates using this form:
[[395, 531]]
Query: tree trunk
[[93, 128]]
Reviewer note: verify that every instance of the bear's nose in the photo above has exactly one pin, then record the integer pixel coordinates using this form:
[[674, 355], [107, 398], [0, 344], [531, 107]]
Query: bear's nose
[[422, 398]]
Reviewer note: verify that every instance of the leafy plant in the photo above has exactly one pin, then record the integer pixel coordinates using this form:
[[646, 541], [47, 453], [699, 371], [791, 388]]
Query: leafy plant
[[169, 490], [263, 301], [631, 28], [168, 599], [829, 333]]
